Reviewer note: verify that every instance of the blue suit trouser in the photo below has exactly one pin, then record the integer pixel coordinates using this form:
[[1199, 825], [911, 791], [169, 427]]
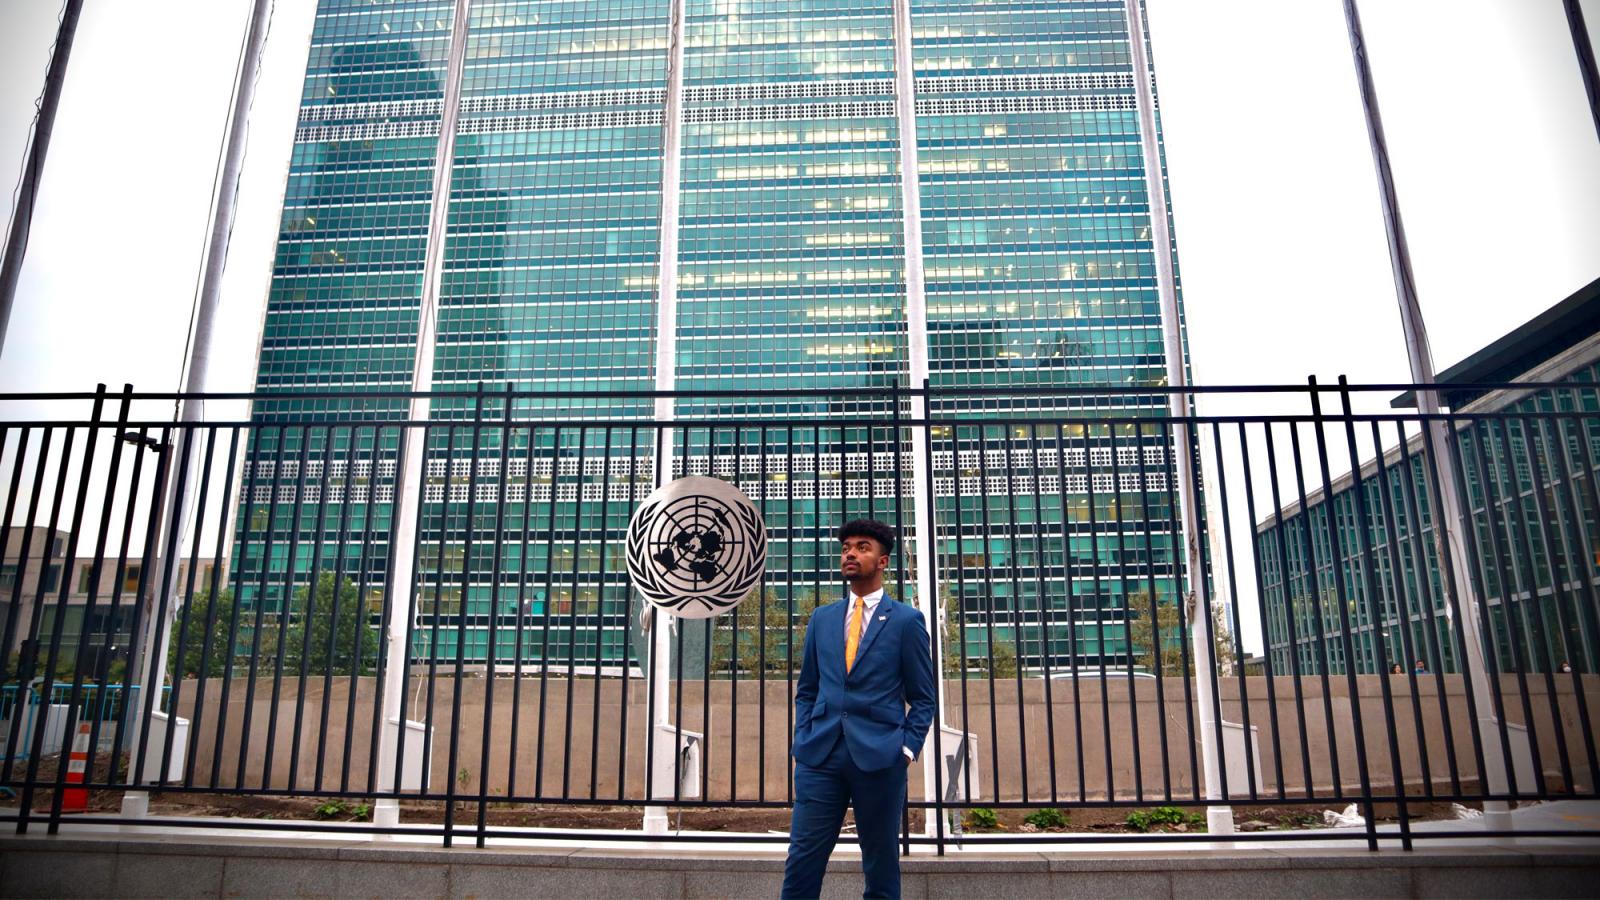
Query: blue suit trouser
[[821, 794]]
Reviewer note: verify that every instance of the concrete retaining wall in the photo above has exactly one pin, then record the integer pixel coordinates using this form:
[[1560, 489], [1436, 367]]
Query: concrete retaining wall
[[585, 743]]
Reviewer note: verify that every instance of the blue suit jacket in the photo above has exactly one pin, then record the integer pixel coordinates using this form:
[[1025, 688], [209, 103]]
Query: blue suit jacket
[[893, 668]]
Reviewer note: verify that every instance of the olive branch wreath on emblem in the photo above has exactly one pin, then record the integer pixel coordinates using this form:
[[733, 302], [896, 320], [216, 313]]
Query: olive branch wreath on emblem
[[696, 555]]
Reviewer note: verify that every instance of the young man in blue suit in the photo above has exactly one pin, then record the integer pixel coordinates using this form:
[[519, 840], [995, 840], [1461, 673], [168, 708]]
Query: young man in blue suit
[[866, 659]]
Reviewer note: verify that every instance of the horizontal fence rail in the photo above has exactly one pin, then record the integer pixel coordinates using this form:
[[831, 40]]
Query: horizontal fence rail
[[1067, 621]]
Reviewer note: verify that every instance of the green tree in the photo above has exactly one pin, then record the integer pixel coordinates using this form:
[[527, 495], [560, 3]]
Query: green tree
[[310, 628], [1168, 625], [1004, 663], [758, 632], [189, 635]]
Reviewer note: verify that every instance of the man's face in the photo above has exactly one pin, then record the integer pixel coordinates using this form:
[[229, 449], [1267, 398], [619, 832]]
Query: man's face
[[861, 557]]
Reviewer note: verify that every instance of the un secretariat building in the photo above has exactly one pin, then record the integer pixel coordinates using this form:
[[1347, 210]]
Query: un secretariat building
[[763, 144]]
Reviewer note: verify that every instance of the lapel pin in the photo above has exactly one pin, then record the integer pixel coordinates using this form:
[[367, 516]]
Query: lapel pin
[[883, 618]]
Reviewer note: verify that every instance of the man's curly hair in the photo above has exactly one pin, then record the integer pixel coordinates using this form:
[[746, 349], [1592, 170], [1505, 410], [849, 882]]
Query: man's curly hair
[[871, 528]]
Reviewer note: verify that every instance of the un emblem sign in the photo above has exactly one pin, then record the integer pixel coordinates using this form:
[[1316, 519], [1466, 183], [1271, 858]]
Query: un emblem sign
[[696, 547]]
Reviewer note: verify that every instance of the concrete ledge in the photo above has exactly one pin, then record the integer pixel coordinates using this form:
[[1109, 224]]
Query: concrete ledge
[[123, 865]]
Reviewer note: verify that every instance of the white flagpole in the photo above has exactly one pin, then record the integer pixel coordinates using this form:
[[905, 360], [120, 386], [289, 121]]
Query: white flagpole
[[1438, 436]]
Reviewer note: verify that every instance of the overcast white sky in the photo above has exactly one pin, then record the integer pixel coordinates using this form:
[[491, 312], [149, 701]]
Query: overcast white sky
[[1280, 237]]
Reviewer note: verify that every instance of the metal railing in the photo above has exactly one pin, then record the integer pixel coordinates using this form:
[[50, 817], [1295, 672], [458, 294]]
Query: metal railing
[[1066, 620]]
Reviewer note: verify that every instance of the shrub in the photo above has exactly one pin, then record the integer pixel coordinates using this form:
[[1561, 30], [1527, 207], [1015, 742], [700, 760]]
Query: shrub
[[1046, 818], [331, 809], [982, 817], [1147, 820]]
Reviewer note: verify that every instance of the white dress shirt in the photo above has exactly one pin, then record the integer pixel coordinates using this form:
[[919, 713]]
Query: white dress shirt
[[869, 607]]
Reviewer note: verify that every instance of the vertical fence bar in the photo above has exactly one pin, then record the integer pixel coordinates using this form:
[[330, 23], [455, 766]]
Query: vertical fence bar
[[600, 614], [733, 649], [1346, 627], [64, 587], [959, 515], [457, 687], [677, 700], [395, 589], [1397, 584], [1369, 586], [309, 617], [1261, 606], [1157, 652], [1309, 560], [761, 632], [549, 607], [1099, 612], [572, 611], [1496, 700], [213, 614], [1238, 636], [1557, 593], [705, 666], [525, 563], [790, 483], [1575, 514], [1491, 505], [1041, 567], [900, 568], [1008, 467], [491, 645], [1208, 660], [103, 657], [330, 654], [14, 603], [1069, 531], [177, 670], [988, 586], [155, 663], [28, 655], [1286, 580], [1585, 460], [120, 703], [1179, 561], [130, 712], [627, 641], [285, 602], [1425, 587], [936, 634], [247, 501]]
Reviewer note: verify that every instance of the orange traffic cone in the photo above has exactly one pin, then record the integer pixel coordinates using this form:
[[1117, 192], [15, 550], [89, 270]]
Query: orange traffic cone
[[76, 799]]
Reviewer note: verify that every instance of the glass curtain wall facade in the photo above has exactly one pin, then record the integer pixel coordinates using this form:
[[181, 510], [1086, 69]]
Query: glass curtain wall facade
[[792, 258], [1041, 274], [1535, 546]]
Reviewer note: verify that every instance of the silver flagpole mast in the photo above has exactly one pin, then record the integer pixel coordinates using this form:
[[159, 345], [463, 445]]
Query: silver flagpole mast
[[933, 611], [150, 645], [408, 476], [1219, 819], [1438, 436], [33, 167], [1586, 63], [660, 766]]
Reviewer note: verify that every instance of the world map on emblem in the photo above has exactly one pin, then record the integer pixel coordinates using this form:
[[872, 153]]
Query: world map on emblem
[[696, 547]]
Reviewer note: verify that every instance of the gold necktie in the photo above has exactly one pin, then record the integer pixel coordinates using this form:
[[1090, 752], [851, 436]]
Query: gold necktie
[[854, 639]]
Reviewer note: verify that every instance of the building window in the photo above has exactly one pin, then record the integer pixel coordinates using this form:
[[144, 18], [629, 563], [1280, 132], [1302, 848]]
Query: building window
[[130, 578]]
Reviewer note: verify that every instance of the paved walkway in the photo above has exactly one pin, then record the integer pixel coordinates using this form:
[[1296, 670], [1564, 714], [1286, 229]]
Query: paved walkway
[[161, 860]]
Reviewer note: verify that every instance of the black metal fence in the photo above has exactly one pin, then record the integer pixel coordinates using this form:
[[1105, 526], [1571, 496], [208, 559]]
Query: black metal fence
[[1068, 626]]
